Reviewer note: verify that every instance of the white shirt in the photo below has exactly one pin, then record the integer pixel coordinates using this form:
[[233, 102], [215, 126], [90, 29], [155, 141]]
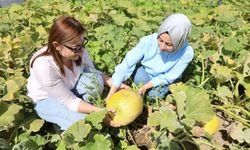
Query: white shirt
[[45, 80]]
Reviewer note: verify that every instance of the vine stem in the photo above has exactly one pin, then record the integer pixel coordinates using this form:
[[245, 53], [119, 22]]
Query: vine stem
[[199, 141], [204, 82], [203, 69], [236, 92], [131, 136], [241, 109], [244, 121]]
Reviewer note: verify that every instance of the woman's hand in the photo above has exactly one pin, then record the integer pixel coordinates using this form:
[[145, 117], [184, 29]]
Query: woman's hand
[[112, 90], [142, 90], [108, 119], [124, 86]]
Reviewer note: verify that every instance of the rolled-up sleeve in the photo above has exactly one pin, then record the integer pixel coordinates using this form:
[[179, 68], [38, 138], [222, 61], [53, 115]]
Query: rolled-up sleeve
[[51, 81]]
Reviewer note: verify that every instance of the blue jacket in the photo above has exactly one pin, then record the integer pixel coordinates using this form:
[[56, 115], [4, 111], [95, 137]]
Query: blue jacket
[[162, 67]]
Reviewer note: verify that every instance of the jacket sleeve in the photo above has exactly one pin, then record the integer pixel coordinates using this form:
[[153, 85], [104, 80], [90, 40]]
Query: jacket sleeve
[[175, 72], [52, 82], [126, 68]]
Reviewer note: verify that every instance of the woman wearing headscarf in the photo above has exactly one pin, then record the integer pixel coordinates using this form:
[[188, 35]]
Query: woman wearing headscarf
[[158, 59]]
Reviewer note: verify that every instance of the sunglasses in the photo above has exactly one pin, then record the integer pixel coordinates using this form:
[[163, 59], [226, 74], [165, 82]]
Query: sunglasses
[[78, 49]]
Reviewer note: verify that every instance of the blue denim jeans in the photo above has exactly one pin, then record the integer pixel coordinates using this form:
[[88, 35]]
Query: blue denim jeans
[[52, 111], [141, 76]]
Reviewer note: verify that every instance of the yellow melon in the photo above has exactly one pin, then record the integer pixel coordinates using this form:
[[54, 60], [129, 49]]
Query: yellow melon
[[212, 126], [128, 105]]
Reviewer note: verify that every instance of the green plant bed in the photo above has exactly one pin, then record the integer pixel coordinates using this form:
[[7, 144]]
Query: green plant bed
[[216, 82]]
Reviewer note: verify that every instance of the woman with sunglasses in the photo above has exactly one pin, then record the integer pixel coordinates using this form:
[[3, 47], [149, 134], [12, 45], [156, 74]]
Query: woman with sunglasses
[[158, 59], [62, 76]]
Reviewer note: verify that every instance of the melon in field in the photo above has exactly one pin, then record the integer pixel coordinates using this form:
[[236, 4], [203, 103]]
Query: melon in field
[[212, 126], [128, 105]]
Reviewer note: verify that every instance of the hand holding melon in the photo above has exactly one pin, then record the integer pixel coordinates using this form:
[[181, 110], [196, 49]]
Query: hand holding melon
[[128, 105]]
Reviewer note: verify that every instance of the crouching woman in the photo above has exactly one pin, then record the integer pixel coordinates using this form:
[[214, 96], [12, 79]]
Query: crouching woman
[[63, 77]]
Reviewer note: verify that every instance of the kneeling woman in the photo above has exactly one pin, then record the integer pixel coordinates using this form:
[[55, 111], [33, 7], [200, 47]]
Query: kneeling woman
[[63, 77]]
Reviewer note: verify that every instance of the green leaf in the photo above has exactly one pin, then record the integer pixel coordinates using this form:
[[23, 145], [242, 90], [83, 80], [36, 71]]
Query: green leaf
[[15, 8], [180, 98], [236, 132], [42, 32], [119, 19], [13, 85], [99, 142], [194, 103], [208, 53], [79, 130], [55, 138], [188, 121], [246, 135], [165, 119], [61, 145], [224, 92], [142, 25], [96, 118], [174, 88], [198, 105], [132, 147], [8, 115], [228, 17], [246, 70], [4, 144], [221, 73], [30, 142], [198, 19], [34, 125], [233, 44]]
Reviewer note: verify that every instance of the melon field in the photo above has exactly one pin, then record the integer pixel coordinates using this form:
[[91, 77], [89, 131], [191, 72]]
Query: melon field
[[209, 109]]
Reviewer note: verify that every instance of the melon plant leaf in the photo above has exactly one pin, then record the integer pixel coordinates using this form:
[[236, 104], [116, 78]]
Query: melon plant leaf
[[177, 87], [198, 105], [233, 44], [236, 132], [165, 119], [99, 142], [220, 16], [208, 53], [143, 25], [188, 121], [4, 144], [42, 32], [193, 103], [180, 98], [224, 92], [8, 114], [79, 130], [246, 70], [13, 85], [119, 19], [34, 125], [96, 118], [246, 135], [26, 141], [221, 73]]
